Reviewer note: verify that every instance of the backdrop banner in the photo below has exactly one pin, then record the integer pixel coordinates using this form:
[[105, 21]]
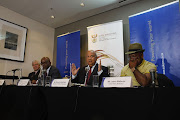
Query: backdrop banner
[[107, 40], [68, 51], [158, 30]]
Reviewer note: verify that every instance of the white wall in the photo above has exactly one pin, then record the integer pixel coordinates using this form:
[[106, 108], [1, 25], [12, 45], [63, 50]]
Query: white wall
[[121, 13], [39, 42]]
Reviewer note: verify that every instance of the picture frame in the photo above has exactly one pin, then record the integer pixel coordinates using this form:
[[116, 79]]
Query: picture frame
[[12, 41]]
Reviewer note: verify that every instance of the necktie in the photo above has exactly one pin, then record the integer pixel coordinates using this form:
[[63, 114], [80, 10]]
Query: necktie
[[45, 74], [89, 74]]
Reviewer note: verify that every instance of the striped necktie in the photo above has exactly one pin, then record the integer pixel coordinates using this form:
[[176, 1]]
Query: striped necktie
[[89, 74]]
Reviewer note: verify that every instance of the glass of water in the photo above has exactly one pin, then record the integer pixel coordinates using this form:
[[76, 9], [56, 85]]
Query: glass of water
[[95, 81], [48, 81]]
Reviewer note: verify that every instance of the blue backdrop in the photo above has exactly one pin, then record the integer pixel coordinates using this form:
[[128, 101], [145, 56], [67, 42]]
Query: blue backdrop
[[68, 51], [158, 30]]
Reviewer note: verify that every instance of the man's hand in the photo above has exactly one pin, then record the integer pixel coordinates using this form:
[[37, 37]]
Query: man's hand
[[99, 66], [33, 81], [133, 63], [74, 70]]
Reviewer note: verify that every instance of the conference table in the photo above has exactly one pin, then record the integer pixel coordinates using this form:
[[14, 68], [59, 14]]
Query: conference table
[[86, 103]]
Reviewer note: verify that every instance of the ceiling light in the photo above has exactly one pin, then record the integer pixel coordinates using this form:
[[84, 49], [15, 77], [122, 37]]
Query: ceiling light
[[52, 16], [82, 4], [52, 13]]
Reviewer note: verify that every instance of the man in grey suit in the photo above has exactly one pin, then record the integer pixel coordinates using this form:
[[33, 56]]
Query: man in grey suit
[[33, 76], [50, 70], [93, 68]]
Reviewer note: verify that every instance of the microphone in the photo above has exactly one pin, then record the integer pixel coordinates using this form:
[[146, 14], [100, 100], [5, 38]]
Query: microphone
[[152, 73], [153, 78], [87, 70], [12, 70], [44, 74], [15, 70]]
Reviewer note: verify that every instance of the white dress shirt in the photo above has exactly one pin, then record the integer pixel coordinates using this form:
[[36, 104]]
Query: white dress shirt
[[92, 68]]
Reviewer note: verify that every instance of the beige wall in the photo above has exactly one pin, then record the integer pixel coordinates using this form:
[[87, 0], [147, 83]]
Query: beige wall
[[39, 43], [121, 13]]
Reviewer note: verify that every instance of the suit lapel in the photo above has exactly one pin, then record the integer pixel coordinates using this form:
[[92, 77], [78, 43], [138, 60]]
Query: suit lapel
[[49, 74], [94, 72]]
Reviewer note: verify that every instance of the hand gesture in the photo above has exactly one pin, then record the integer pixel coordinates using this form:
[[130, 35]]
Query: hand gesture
[[74, 70], [133, 63], [99, 66]]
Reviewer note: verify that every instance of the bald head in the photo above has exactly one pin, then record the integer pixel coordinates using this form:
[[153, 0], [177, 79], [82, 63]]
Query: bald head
[[91, 58], [92, 52]]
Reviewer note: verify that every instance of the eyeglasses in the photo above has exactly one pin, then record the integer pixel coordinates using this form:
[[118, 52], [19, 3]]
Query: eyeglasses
[[42, 63]]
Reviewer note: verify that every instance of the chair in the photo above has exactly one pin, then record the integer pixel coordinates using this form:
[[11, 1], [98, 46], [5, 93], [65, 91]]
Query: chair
[[164, 81]]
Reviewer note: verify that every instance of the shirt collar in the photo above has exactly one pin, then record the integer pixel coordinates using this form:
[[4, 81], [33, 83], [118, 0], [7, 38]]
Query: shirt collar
[[141, 63], [48, 70], [92, 68], [93, 65], [36, 71]]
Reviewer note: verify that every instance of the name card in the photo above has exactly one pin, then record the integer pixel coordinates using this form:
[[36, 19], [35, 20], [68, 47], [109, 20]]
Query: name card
[[1, 82], [117, 82], [23, 82], [60, 83]]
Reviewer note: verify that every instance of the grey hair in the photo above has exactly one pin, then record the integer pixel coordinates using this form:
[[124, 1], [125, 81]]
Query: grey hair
[[35, 61], [92, 51]]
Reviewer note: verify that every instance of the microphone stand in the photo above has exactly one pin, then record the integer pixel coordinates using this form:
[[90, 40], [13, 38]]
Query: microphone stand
[[43, 77], [87, 70], [13, 76], [70, 83], [154, 92], [153, 85]]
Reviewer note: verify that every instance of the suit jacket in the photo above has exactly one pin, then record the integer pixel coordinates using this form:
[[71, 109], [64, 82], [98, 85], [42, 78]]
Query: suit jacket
[[33, 76], [54, 73], [80, 78]]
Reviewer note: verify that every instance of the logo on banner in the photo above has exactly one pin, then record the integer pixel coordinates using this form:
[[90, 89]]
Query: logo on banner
[[94, 38]]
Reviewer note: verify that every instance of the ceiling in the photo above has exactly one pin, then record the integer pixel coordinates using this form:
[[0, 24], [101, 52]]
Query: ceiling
[[65, 11]]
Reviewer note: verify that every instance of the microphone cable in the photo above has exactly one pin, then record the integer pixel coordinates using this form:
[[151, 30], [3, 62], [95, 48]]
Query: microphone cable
[[153, 95], [77, 96], [29, 97]]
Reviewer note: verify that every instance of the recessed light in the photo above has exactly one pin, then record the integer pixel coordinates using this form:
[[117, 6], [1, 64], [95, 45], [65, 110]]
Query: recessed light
[[52, 16], [82, 4]]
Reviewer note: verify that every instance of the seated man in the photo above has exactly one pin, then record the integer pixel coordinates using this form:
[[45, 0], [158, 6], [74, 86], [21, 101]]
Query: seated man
[[49, 69], [33, 76], [138, 68], [88, 71]]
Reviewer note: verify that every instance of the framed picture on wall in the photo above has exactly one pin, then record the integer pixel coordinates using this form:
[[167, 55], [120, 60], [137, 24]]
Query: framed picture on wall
[[12, 41]]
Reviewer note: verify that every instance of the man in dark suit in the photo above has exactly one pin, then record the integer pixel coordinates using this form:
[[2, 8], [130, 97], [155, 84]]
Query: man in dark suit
[[85, 74], [49, 69], [33, 76]]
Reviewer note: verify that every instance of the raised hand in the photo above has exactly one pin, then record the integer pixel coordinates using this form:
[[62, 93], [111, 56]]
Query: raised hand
[[133, 63], [99, 66], [74, 70]]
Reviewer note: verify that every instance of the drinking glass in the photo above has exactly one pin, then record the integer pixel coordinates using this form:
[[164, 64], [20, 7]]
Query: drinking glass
[[48, 81], [95, 81]]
